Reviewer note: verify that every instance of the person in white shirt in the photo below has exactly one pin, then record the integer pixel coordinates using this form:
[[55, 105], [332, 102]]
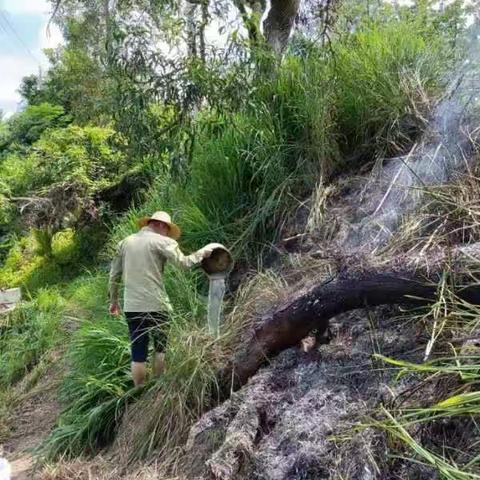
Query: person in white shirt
[[140, 261]]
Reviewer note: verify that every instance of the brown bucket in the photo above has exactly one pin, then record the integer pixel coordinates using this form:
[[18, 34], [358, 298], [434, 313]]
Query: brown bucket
[[220, 261]]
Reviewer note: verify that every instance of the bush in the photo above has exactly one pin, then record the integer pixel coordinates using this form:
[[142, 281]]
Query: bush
[[39, 260], [26, 127], [56, 182], [65, 248], [85, 155], [20, 263]]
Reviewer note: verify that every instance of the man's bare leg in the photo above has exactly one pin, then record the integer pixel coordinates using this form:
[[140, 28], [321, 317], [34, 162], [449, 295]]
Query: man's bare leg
[[139, 373], [158, 364]]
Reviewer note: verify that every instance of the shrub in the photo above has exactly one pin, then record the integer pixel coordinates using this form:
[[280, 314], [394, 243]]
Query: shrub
[[29, 265], [20, 262], [26, 127]]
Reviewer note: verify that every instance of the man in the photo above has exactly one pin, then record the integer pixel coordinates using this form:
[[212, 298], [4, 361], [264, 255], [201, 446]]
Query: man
[[140, 261]]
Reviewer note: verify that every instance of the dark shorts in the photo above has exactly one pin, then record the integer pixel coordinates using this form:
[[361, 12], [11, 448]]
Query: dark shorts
[[141, 326]]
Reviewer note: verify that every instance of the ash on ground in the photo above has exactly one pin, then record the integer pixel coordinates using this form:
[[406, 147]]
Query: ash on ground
[[303, 417]]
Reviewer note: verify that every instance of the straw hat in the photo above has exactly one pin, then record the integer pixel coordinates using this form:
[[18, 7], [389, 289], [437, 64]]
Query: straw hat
[[164, 217]]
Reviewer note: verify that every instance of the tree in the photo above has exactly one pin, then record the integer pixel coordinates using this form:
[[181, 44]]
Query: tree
[[26, 127], [279, 23], [56, 184], [30, 89]]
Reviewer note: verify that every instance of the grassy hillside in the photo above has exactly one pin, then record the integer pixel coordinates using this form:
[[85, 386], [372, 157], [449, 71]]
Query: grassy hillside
[[237, 172]]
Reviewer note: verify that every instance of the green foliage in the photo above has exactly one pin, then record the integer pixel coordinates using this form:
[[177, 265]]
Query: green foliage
[[20, 263], [95, 388], [26, 127], [28, 333], [33, 261], [56, 181], [43, 239], [85, 155], [87, 296], [75, 80], [97, 385], [235, 149], [249, 169]]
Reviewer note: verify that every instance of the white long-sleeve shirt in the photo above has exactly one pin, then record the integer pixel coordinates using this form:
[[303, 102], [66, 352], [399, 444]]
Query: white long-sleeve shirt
[[140, 262]]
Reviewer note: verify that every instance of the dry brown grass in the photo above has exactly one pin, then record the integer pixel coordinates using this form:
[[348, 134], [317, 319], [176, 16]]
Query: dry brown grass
[[318, 208], [100, 469], [449, 216], [252, 300], [265, 290]]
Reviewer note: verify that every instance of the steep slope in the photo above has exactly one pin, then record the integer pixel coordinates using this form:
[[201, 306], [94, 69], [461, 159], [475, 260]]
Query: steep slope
[[305, 416]]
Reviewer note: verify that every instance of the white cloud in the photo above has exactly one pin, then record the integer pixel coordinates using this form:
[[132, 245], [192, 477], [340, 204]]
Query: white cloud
[[14, 68], [26, 6]]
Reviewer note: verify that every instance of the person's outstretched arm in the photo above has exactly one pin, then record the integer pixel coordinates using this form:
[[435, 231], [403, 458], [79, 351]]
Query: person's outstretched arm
[[115, 279], [170, 249]]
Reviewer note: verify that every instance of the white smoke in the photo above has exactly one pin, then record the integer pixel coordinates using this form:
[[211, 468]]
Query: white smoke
[[443, 152], [5, 469]]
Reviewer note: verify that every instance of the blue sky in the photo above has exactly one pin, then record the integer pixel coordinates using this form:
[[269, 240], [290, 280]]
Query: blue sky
[[23, 36]]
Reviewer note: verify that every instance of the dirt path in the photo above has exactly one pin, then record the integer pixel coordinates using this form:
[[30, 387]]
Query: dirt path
[[32, 419]]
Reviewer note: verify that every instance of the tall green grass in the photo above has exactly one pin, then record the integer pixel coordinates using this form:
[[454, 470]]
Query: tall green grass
[[95, 389], [250, 169], [98, 385], [28, 333], [387, 76]]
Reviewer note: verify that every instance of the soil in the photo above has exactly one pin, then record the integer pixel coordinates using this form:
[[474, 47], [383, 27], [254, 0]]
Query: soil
[[31, 421]]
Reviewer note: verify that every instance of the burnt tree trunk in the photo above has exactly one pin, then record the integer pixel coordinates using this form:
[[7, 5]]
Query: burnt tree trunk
[[402, 281]]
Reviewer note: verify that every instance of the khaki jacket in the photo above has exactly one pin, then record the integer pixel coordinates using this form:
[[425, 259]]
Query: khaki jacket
[[140, 262]]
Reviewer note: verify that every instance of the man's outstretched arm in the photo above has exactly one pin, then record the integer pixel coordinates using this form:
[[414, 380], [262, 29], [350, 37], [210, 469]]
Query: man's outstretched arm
[[171, 251]]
